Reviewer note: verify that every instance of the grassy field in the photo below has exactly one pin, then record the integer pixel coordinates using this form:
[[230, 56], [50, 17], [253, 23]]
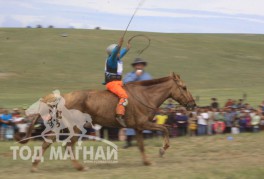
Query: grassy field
[[211, 157], [36, 61]]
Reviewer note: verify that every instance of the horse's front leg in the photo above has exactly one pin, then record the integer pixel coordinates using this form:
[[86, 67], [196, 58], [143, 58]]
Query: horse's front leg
[[140, 142], [74, 160], [45, 146], [164, 130]]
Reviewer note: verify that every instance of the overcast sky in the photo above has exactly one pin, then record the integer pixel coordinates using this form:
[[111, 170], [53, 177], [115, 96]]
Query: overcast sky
[[177, 16]]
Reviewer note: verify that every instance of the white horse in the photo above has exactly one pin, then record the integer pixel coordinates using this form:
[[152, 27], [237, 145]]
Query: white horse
[[57, 117]]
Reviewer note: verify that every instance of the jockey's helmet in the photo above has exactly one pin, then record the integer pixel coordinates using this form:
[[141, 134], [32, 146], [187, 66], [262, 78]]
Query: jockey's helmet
[[110, 48]]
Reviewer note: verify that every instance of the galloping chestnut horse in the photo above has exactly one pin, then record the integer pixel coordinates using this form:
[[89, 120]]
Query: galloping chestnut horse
[[144, 98]]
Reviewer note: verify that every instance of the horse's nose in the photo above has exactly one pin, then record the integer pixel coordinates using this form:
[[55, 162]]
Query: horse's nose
[[191, 106]]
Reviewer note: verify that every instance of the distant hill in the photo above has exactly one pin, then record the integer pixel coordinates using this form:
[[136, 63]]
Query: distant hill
[[36, 61]]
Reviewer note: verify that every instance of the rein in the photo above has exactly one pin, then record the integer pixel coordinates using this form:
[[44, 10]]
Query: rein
[[136, 97], [155, 108]]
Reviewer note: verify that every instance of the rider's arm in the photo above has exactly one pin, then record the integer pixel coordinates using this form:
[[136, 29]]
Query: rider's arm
[[112, 59], [123, 52]]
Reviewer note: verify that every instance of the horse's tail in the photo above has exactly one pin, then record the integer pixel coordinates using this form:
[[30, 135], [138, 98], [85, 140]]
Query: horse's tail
[[25, 139]]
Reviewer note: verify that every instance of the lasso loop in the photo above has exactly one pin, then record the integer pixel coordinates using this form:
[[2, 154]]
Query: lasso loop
[[141, 35]]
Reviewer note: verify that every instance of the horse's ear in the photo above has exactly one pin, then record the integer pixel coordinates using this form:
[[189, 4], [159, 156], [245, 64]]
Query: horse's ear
[[178, 76], [172, 74]]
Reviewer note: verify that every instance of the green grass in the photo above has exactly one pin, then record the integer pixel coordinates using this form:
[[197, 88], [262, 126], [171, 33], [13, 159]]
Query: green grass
[[36, 61], [210, 157]]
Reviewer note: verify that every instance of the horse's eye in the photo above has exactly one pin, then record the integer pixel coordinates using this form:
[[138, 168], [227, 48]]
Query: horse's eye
[[184, 88]]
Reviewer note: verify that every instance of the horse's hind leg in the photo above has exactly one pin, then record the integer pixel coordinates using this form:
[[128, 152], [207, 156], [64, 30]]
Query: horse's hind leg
[[140, 142], [68, 139], [46, 138], [74, 161], [83, 132], [45, 146], [164, 130]]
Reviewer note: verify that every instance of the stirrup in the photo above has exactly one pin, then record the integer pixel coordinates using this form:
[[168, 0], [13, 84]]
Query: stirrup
[[120, 120]]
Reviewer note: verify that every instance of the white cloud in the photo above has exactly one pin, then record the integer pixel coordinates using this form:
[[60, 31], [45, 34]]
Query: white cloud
[[27, 5], [27, 19], [18, 20], [79, 13], [192, 15], [79, 25], [2, 19], [252, 7]]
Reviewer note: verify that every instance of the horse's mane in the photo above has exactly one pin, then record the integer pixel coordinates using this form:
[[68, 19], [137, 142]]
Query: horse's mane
[[150, 82]]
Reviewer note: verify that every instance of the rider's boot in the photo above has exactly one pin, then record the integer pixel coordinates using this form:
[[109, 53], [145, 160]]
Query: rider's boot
[[120, 111]]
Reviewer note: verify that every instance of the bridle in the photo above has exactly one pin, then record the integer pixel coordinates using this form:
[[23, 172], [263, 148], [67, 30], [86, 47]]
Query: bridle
[[187, 104]]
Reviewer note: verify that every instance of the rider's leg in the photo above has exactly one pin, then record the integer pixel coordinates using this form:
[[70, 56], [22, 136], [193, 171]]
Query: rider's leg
[[116, 87]]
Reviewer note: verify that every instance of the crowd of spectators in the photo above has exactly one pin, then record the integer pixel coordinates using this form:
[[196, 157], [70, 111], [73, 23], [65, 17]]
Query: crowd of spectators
[[233, 118], [11, 120]]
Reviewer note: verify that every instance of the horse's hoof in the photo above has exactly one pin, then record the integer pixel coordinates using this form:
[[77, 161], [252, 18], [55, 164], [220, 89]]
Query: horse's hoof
[[147, 163], [34, 169], [82, 168], [85, 169], [49, 141], [161, 152]]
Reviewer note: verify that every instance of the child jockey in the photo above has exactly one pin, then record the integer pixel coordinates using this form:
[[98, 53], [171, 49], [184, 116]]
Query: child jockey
[[113, 77]]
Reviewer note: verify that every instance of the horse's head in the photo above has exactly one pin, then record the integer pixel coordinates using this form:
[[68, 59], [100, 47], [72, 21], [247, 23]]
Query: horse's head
[[180, 93]]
